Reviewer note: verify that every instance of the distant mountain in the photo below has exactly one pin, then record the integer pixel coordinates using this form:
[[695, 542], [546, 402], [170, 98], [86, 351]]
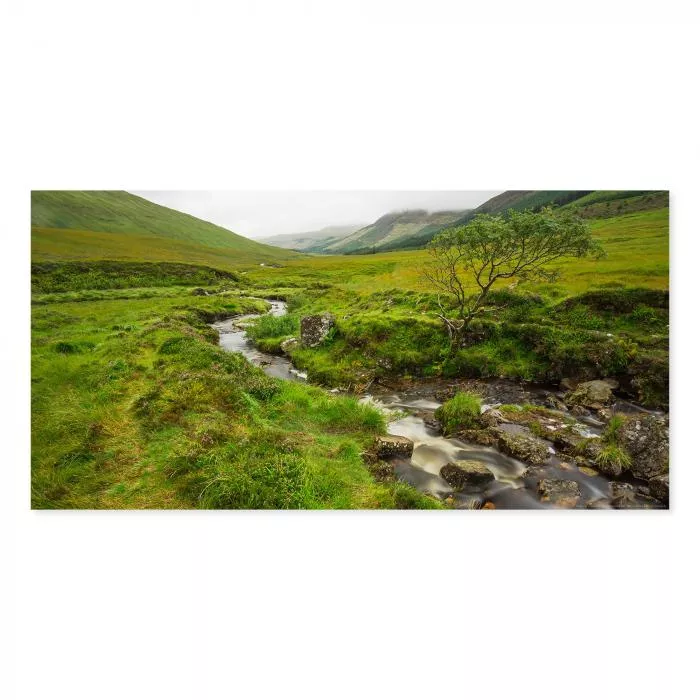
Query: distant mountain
[[389, 231], [588, 203], [309, 239], [114, 225]]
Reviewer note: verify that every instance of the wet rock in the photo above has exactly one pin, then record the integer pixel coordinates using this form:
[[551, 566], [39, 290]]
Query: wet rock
[[393, 446], [579, 411], [491, 418], [526, 448], [466, 472], [478, 437], [315, 329], [595, 394], [598, 504], [289, 345], [622, 495], [488, 506], [566, 440], [588, 450], [659, 488], [588, 471], [554, 402], [620, 488], [560, 492], [568, 384], [605, 414], [645, 437], [433, 424]]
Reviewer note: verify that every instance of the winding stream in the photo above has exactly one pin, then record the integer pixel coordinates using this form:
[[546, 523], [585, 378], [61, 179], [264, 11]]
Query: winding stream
[[512, 487]]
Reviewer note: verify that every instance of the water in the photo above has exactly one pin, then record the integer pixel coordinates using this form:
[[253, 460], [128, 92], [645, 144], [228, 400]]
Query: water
[[233, 337], [411, 410]]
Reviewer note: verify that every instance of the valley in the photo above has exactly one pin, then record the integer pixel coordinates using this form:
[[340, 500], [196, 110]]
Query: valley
[[159, 380]]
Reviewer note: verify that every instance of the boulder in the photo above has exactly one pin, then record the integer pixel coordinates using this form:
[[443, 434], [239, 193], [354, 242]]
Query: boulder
[[466, 472], [287, 346], [619, 488], [645, 437], [588, 450], [566, 440], [526, 448], [315, 329], [659, 489], [595, 394], [560, 492], [622, 495], [491, 418], [568, 384], [393, 446], [554, 402]]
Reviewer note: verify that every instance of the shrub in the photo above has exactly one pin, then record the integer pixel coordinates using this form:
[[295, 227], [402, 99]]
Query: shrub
[[460, 412]]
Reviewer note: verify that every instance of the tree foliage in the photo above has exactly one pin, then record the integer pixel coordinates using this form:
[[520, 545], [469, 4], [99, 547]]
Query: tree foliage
[[467, 261]]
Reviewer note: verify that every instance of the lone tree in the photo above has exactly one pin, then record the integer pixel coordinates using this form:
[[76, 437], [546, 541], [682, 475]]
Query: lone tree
[[468, 260]]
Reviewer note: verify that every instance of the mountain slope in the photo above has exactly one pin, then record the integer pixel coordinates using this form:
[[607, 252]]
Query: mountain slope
[[121, 226], [588, 203], [310, 239], [387, 232]]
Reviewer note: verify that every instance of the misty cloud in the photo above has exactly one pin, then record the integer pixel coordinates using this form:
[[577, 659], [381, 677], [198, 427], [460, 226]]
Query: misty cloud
[[258, 214]]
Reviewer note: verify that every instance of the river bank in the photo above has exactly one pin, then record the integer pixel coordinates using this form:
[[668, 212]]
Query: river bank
[[562, 479]]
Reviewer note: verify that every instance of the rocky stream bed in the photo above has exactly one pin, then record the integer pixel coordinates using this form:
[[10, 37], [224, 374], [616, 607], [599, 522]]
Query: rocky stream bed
[[534, 447]]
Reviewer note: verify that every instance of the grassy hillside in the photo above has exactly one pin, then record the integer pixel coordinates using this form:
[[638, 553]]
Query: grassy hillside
[[636, 247], [391, 230], [605, 317], [96, 225], [310, 239]]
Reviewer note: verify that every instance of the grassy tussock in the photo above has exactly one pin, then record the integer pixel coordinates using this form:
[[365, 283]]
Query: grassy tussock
[[460, 413]]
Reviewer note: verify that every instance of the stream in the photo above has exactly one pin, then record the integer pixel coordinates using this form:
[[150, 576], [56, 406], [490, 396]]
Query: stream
[[410, 411]]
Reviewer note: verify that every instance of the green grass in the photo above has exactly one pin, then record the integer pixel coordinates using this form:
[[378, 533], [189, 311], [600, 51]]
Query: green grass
[[91, 225], [613, 456], [602, 317], [460, 413], [135, 406], [108, 274]]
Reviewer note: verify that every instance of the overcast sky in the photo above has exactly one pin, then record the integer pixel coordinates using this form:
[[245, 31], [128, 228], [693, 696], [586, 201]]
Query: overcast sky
[[258, 214]]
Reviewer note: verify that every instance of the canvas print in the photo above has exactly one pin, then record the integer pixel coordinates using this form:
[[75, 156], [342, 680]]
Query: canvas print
[[447, 350]]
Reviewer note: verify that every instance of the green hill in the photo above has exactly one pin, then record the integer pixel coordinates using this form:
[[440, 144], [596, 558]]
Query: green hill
[[310, 240], [93, 225], [587, 203], [389, 231]]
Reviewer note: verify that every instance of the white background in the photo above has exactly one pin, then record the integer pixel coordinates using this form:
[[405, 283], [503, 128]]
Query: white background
[[392, 95]]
